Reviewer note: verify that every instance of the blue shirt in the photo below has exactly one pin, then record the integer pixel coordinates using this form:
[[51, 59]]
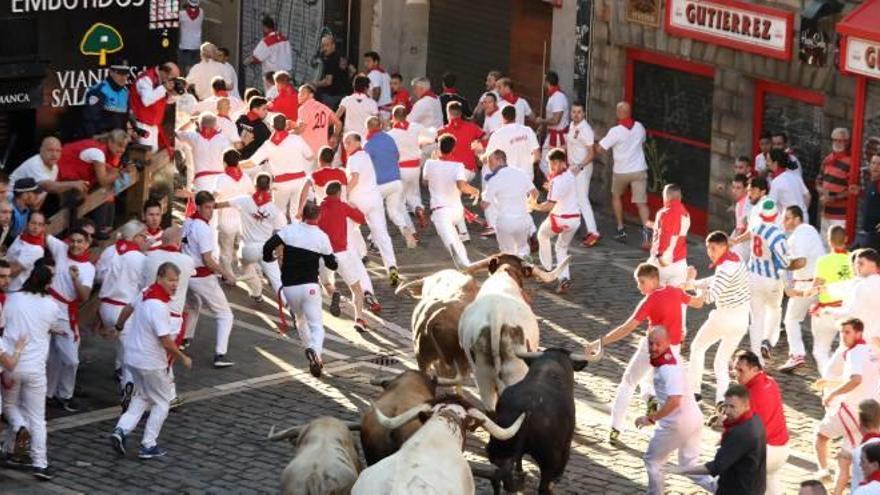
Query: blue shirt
[[19, 220], [383, 151]]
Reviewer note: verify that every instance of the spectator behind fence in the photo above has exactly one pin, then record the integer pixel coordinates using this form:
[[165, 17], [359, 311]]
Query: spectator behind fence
[[43, 168], [869, 210], [25, 198], [6, 236]]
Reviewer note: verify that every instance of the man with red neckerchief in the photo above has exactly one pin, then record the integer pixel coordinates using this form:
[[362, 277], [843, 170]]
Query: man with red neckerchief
[[508, 97], [148, 100], [556, 118], [231, 183], [450, 94], [869, 425], [287, 101], [679, 420], [218, 92], [356, 108], [152, 218], [466, 133], [71, 286], [870, 463], [410, 137], [399, 94], [273, 52], [380, 84], [426, 108], [208, 145], [669, 244], [26, 249], [252, 126]]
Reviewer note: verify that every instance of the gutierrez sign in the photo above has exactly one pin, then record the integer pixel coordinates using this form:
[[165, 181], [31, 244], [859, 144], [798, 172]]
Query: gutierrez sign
[[862, 57], [732, 23]]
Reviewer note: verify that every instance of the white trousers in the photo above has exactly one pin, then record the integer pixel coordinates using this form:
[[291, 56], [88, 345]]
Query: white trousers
[[795, 313], [286, 196], [350, 268], [304, 302], [684, 437], [254, 270], [375, 215], [392, 196], [109, 314], [727, 327], [777, 457], [489, 212], [205, 294], [637, 368], [673, 274], [512, 233], [766, 308], [446, 219], [582, 183], [24, 405], [62, 363], [412, 187], [153, 391], [824, 328], [563, 239]]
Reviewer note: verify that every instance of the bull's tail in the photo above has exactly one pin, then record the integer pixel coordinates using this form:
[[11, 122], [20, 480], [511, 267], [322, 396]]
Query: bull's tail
[[496, 325]]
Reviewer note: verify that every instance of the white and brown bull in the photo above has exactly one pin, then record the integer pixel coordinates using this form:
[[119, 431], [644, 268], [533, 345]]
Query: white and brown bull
[[431, 461], [326, 461], [443, 296], [499, 323]]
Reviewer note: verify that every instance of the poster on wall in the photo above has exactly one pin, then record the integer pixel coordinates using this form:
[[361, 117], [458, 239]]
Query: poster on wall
[[78, 41], [582, 50], [644, 12]]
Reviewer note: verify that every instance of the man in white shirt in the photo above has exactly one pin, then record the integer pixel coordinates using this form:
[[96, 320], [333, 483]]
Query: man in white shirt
[[426, 108], [803, 241], [220, 90], [491, 116], [446, 180], [509, 98], [626, 142], [207, 145], [787, 187], [861, 302], [579, 143], [43, 168], [507, 191], [556, 118], [190, 20], [564, 218], [356, 108], [168, 250], [363, 193], [380, 84], [410, 137], [203, 73], [273, 52], [779, 141], [26, 249], [764, 145], [204, 287], [148, 342], [517, 141], [233, 182]]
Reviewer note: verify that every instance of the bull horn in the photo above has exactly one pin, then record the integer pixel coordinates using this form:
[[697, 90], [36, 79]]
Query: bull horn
[[473, 268], [583, 358], [493, 428], [449, 382], [414, 283], [551, 276], [353, 425], [288, 433], [400, 419], [528, 355]]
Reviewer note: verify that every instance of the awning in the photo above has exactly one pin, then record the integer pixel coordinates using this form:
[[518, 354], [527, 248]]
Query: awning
[[860, 48], [863, 22]]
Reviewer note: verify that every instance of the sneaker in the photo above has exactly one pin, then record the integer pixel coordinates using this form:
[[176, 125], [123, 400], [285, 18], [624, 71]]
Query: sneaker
[[717, 416], [54, 403], [421, 218], [653, 406], [793, 363], [117, 440], [70, 405], [489, 232], [184, 344], [620, 236], [43, 474], [564, 285], [766, 349], [591, 240], [364, 260], [151, 452], [373, 248], [614, 438], [393, 276], [334, 304], [258, 299], [372, 304], [21, 448], [360, 325], [220, 361], [315, 365], [175, 403], [127, 392], [647, 235]]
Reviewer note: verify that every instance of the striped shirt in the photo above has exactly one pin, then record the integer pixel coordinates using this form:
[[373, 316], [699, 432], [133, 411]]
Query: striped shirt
[[769, 251], [729, 287]]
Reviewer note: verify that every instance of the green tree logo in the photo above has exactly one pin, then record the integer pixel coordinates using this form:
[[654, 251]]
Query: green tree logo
[[100, 40]]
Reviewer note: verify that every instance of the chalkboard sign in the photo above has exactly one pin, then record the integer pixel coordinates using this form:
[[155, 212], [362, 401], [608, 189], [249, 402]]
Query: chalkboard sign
[[805, 125], [674, 102]]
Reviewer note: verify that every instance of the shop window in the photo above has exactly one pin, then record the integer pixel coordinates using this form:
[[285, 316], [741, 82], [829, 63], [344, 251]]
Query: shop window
[[805, 125]]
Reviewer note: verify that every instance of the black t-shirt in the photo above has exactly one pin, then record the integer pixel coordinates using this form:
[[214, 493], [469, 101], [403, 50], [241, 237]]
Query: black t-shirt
[[261, 134], [340, 78]]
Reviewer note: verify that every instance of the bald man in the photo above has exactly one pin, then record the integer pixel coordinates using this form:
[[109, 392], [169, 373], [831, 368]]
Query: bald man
[[43, 168]]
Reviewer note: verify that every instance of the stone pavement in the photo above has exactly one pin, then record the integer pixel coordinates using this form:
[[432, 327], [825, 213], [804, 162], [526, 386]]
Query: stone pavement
[[216, 441]]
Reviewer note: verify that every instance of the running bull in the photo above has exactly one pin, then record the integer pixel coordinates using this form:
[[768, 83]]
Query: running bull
[[499, 323]]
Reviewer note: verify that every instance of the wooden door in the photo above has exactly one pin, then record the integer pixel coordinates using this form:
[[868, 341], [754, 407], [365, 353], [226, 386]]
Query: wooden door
[[530, 36]]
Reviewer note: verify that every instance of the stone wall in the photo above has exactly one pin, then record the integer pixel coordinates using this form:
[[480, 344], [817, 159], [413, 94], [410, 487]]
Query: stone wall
[[735, 76]]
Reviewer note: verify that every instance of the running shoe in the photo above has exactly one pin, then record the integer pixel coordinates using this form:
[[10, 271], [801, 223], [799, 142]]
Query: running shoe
[[614, 438], [766, 349], [335, 310], [117, 440], [487, 233], [564, 285], [151, 452], [70, 405], [315, 365], [220, 361], [393, 276], [360, 325], [792, 364], [372, 303], [43, 474], [591, 240], [620, 236]]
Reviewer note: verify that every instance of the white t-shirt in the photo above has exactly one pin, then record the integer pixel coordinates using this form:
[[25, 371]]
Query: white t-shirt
[[150, 321], [365, 192], [519, 144], [788, 189], [121, 274], [507, 191], [201, 75], [34, 168], [669, 381], [856, 476], [258, 223], [523, 109], [861, 360], [274, 54], [228, 128], [427, 111], [407, 141], [25, 254], [442, 177], [291, 156], [492, 123], [381, 80], [578, 141], [358, 108], [558, 102], [62, 282], [760, 163], [861, 303], [872, 488], [805, 242], [207, 154], [199, 239], [627, 146], [563, 190], [155, 259], [31, 315], [227, 188], [191, 30]]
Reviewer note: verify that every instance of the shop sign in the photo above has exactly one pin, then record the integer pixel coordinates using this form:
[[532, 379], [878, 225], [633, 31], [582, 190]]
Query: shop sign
[[735, 24], [862, 57], [644, 12]]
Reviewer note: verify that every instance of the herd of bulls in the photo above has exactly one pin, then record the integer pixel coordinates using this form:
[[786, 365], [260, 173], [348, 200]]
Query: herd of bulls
[[412, 437]]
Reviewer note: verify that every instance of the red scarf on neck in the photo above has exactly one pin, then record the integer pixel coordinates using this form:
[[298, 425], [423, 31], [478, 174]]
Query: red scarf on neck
[[510, 98], [379, 68], [252, 116], [875, 476], [728, 256], [166, 247], [358, 150], [627, 122], [123, 246], [222, 93], [278, 137], [156, 291], [36, 240], [849, 348], [450, 91], [234, 172], [869, 435], [208, 133], [551, 90], [840, 250], [666, 358], [730, 424], [262, 197], [370, 134], [193, 12], [401, 124], [776, 173], [79, 258], [154, 232], [428, 94], [197, 216]]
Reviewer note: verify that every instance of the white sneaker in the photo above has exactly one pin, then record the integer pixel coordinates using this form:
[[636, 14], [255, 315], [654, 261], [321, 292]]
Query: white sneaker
[[793, 363]]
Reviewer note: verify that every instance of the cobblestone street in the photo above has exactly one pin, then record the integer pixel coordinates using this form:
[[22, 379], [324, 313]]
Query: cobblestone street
[[216, 440]]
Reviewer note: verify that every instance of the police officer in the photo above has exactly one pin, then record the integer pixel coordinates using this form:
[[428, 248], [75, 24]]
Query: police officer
[[106, 105]]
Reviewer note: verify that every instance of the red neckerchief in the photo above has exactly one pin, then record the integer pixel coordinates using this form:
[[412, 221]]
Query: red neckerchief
[[192, 12], [428, 94], [400, 124], [627, 122], [197, 216], [272, 38], [286, 90], [36, 240], [154, 232], [869, 435], [727, 256], [372, 133], [123, 246], [208, 133], [2, 298], [551, 90], [166, 247], [779, 171], [222, 93], [355, 152], [849, 348], [379, 68], [728, 424], [510, 98], [79, 258], [156, 291], [448, 157], [840, 250], [278, 137], [666, 358], [450, 91], [234, 172], [875, 476], [262, 197], [252, 116]]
